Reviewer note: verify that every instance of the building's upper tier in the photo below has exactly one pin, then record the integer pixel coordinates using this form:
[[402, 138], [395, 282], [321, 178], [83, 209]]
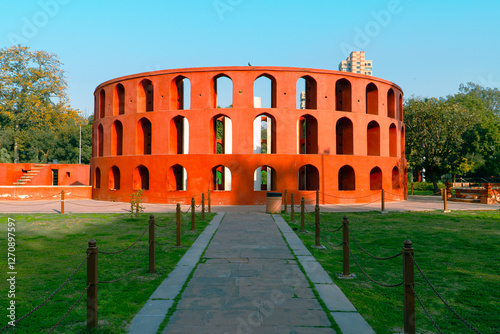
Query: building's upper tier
[[196, 88]]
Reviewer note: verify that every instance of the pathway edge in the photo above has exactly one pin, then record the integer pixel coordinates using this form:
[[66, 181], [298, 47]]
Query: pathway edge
[[151, 315], [345, 314]]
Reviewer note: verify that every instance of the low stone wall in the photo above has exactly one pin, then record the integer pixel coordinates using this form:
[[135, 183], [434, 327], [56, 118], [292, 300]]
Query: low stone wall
[[20, 193], [487, 193]]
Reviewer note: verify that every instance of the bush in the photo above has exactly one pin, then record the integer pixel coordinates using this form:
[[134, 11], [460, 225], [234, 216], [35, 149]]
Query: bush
[[425, 186]]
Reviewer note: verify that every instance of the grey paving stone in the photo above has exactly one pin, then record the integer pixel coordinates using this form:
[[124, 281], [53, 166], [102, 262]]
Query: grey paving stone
[[202, 303], [150, 316], [304, 330], [289, 317], [334, 298], [315, 272], [352, 323]]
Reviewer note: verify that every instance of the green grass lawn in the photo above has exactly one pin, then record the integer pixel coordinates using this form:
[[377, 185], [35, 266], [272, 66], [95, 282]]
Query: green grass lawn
[[49, 247], [457, 251]]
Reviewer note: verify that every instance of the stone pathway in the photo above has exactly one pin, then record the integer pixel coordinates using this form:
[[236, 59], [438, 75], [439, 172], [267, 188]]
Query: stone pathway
[[248, 281]]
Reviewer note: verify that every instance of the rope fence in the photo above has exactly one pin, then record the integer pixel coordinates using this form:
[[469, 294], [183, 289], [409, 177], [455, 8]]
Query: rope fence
[[91, 259], [50, 297], [409, 262]]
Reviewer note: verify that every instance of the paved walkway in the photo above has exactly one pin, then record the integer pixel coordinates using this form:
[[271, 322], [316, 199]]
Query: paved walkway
[[414, 203], [248, 281]]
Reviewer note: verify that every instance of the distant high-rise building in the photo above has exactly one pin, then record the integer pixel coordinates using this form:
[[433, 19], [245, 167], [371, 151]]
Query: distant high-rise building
[[356, 63]]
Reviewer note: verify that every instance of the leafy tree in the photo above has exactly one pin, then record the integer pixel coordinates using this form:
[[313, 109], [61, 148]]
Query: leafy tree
[[435, 136], [484, 138], [33, 102]]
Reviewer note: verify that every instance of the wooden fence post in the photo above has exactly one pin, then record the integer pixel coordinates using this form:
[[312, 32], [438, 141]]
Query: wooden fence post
[[302, 214], [345, 245], [193, 212], [203, 206], [382, 199], [178, 226], [209, 202], [408, 286], [316, 223], [92, 283], [151, 244], [62, 202], [286, 204], [292, 209]]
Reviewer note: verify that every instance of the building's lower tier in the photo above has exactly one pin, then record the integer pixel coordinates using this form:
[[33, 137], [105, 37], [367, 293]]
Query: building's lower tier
[[244, 179]]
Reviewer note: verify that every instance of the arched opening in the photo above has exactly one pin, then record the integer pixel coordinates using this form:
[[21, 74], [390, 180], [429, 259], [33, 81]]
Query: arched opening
[[264, 90], [145, 96], [179, 135], [393, 144], [102, 103], [221, 177], [402, 141], [373, 138], [391, 104], [222, 91], [371, 99], [100, 141], [141, 178], [308, 178], [143, 139], [97, 178], [114, 178], [400, 111], [119, 100], [116, 138], [177, 178], [396, 182], [180, 93], [308, 135], [376, 179], [222, 134], [343, 95], [347, 179], [344, 134], [306, 89], [264, 178], [264, 134]]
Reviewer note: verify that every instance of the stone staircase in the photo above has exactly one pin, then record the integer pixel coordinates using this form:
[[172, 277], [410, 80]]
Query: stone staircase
[[28, 176]]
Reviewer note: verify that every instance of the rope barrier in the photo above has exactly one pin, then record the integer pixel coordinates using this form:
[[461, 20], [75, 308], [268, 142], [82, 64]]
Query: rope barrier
[[331, 231], [51, 296], [444, 302], [373, 256], [70, 309], [163, 243], [425, 310], [120, 251], [343, 197], [26, 204], [174, 198], [371, 279], [332, 245], [122, 278], [93, 205]]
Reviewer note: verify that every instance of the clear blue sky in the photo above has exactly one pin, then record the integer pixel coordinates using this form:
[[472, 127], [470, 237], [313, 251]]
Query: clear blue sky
[[426, 47]]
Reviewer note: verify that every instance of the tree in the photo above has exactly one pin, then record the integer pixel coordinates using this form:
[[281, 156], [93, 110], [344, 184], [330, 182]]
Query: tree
[[33, 102], [435, 136], [484, 138]]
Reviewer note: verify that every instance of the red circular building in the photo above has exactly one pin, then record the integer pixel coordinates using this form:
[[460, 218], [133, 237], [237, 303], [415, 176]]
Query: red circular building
[[164, 132]]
